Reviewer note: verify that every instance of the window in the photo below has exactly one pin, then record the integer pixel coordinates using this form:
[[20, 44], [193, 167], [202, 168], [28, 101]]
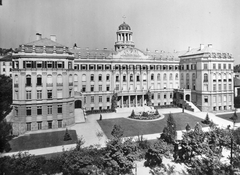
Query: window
[[205, 87], [69, 65], [205, 99], [70, 80], [28, 64], [49, 109], [4, 63], [205, 79], [214, 87], [60, 64], [152, 76], [108, 99], [224, 98], [39, 80], [28, 126], [229, 86], [16, 95], [83, 88], [84, 78], [219, 87], [124, 78], [39, 64], [99, 77], [28, 95], [92, 99], [108, 88], [49, 94], [214, 99], [108, 77], [59, 109], [60, 124], [219, 66], [230, 98], [92, 77], [170, 95], [49, 81], [16, 111], [131, 77], [39, 94], [165, 96], [170, 76], [117, 78], [176, 76], [75, 77], [39, 125], [92, 88], [59, 80], [100, 88], [70, 92], [214, 66], [224, 87], [39, 110], [159, 96], [164, 76], [59, 93], [49, 64], [3, 69], [28, 80], [100, 99], [224, 66], [205, 66], [158, 77], [50, 124], [28, 111], [117, 87], [144, 77], [229, 66]]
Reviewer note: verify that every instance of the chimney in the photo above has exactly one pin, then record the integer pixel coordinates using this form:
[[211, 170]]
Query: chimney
[[53, 38], [201, 46], [189, 48], [38, 36], [210, 45]]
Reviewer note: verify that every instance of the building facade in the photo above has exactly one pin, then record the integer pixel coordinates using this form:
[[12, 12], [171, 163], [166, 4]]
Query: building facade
[[6, 65], [50, 80]]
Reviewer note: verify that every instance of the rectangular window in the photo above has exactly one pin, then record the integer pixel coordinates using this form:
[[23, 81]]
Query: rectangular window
[[219, 87], [205, 99], [39, 64], [39, 94], [229, 66], [230, 98], [60, 123], [49, 94], [224, 66], [124, 78], [117, 78], [85, 100], [92, 99], [39, 81], [224, 87], [100, 88], [28, 111], [205, 87], [83, 88], [117, 87], [108, 78], [229, 86], [39, 110], [214, 99], [108, 99], [224, 98], [100, 99], [219, 66], [70, 92], [49, 108], [28, 126], [108, 88], [214, 87], [205, 66], [99, 77], [138, 78], [165, 96], [59, 109], [39, 125], [214, 66], [59, 93], [92, 88], [28, 95], [50, 124], [16, 95], [159, 96], [92, 77]]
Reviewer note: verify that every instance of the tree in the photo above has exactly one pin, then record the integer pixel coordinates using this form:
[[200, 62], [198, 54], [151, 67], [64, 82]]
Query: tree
[[207, 120], [132, 114], [114, 101], [234, 117], [100, 117], [5, 108], [149, 98], [67, 136], [156, 112], [169, 132], [188, 127], [153, 158], [117, 131]]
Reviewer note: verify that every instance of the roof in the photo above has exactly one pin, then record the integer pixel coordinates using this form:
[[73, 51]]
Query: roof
[[206, 49], [44, 42], [124, 26], [6, 58], [85, 52]]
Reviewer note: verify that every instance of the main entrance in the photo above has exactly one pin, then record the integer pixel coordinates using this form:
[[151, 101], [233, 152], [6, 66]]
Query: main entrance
[[78, 104]]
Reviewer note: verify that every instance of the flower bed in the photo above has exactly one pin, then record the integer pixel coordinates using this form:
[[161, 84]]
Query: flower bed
[[145, 115]]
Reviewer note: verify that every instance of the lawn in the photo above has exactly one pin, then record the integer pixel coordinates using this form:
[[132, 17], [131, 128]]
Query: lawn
[[134, 127], [42, 140], [228, 116]]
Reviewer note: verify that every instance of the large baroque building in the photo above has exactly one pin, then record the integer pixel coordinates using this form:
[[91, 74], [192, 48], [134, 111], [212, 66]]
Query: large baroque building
[[50, 80]]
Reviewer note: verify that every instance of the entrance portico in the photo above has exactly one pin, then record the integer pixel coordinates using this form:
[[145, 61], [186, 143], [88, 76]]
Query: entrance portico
[[125, 101]]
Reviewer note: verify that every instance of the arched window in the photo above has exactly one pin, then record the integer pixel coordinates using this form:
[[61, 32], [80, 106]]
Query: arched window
[[176, 76], [39, 80], [165, 76], [84, 78], [75, 77], [49, 80], [158, 77], [70, 78], [137, 78], [92, 77], [16, 79], [214, 77], [219, 76], [107, 77], [131, 77], [224, 77], [182, 76], [193, 77], [187, 76], [205, 78], [100, 77], [170, 76], [59, 80], [152, 77], [144, 77], [28, 80]]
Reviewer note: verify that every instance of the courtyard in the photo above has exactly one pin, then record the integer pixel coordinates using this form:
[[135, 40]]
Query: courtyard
[[140, 127], [228, 116]]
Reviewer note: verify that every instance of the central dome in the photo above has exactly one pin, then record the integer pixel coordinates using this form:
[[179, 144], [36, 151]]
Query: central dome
[[124, 26]]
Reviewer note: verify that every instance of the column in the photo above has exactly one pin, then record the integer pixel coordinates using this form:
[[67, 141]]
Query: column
[[123, 37], [136, 101], [129, 100], [121, 101], [142, 100]]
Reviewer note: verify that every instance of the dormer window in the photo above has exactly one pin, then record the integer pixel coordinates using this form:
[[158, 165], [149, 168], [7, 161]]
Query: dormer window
[[39, 64], [28, 64], [49, 64], [59, 64]]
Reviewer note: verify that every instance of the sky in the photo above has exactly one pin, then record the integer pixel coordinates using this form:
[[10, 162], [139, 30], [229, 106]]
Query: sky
[[166, 25]]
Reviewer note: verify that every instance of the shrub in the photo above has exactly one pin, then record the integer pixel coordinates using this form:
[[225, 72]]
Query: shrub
[[100, 117], [132, 114], [67, 136], [188, 127], [207, 120], [117, 131], [145, 114]]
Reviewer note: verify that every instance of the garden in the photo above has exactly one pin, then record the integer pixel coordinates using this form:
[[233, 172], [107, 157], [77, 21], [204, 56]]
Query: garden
[[145, 115]]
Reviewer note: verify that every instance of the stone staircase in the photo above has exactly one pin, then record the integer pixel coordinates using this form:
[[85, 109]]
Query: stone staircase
[[191, 107], [79, 116]]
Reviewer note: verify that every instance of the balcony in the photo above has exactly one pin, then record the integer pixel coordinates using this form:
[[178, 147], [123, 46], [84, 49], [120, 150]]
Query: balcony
[[49, 84]]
